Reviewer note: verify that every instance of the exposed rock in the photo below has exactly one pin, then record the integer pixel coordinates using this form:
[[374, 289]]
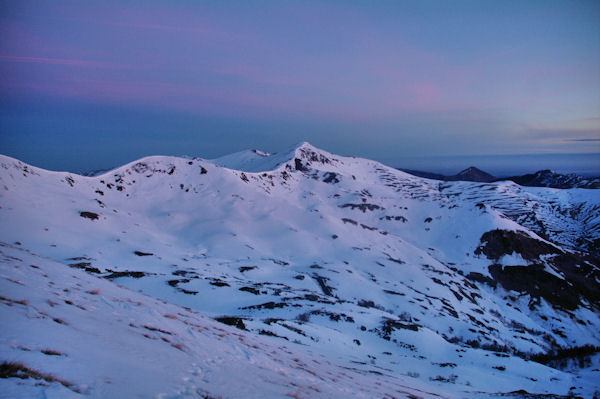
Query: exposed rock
[[536, 282], [89, 215], [127, 273], [497, 243]]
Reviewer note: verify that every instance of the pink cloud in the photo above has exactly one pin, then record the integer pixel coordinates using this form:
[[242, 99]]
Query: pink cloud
[[425, 95], [172, 21], [203, 30], [259, 75], [62, 61]]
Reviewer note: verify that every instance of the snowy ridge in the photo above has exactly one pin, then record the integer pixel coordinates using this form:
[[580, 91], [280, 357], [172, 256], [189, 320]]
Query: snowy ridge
[[344, 256], [248, 161], [259, 161]]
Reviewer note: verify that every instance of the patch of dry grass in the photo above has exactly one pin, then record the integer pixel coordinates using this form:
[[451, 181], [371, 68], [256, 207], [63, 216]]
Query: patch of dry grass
[[19, 370]]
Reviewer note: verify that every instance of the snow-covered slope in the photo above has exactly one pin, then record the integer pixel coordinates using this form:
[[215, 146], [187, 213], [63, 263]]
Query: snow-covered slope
[[249, 161], [80, 335], [440, 287]]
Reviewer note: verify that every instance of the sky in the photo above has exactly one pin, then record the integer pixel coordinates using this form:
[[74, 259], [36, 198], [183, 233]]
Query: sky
[[437, 85]]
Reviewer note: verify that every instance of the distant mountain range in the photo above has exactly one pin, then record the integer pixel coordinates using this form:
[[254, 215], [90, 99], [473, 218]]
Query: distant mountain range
[[542, 178], [548, 178]]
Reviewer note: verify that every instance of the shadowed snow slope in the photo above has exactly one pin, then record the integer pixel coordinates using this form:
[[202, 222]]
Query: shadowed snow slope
[[343, 277]]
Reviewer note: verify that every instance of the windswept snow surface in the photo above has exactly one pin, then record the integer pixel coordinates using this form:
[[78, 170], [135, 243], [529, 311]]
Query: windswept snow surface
[[344, 278], [107, 341]]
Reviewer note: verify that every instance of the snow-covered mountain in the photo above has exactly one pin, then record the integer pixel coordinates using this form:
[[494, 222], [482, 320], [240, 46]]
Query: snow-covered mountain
[[331, 277]]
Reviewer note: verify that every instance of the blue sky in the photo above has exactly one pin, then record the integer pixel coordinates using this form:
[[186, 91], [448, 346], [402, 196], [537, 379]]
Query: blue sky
[[94, 84]]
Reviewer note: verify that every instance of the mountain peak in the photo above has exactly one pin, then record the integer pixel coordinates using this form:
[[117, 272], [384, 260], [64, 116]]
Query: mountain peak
[[306, 155], [472, 174], [470, 169], [305, 145], [260, 161], [303, 149]]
